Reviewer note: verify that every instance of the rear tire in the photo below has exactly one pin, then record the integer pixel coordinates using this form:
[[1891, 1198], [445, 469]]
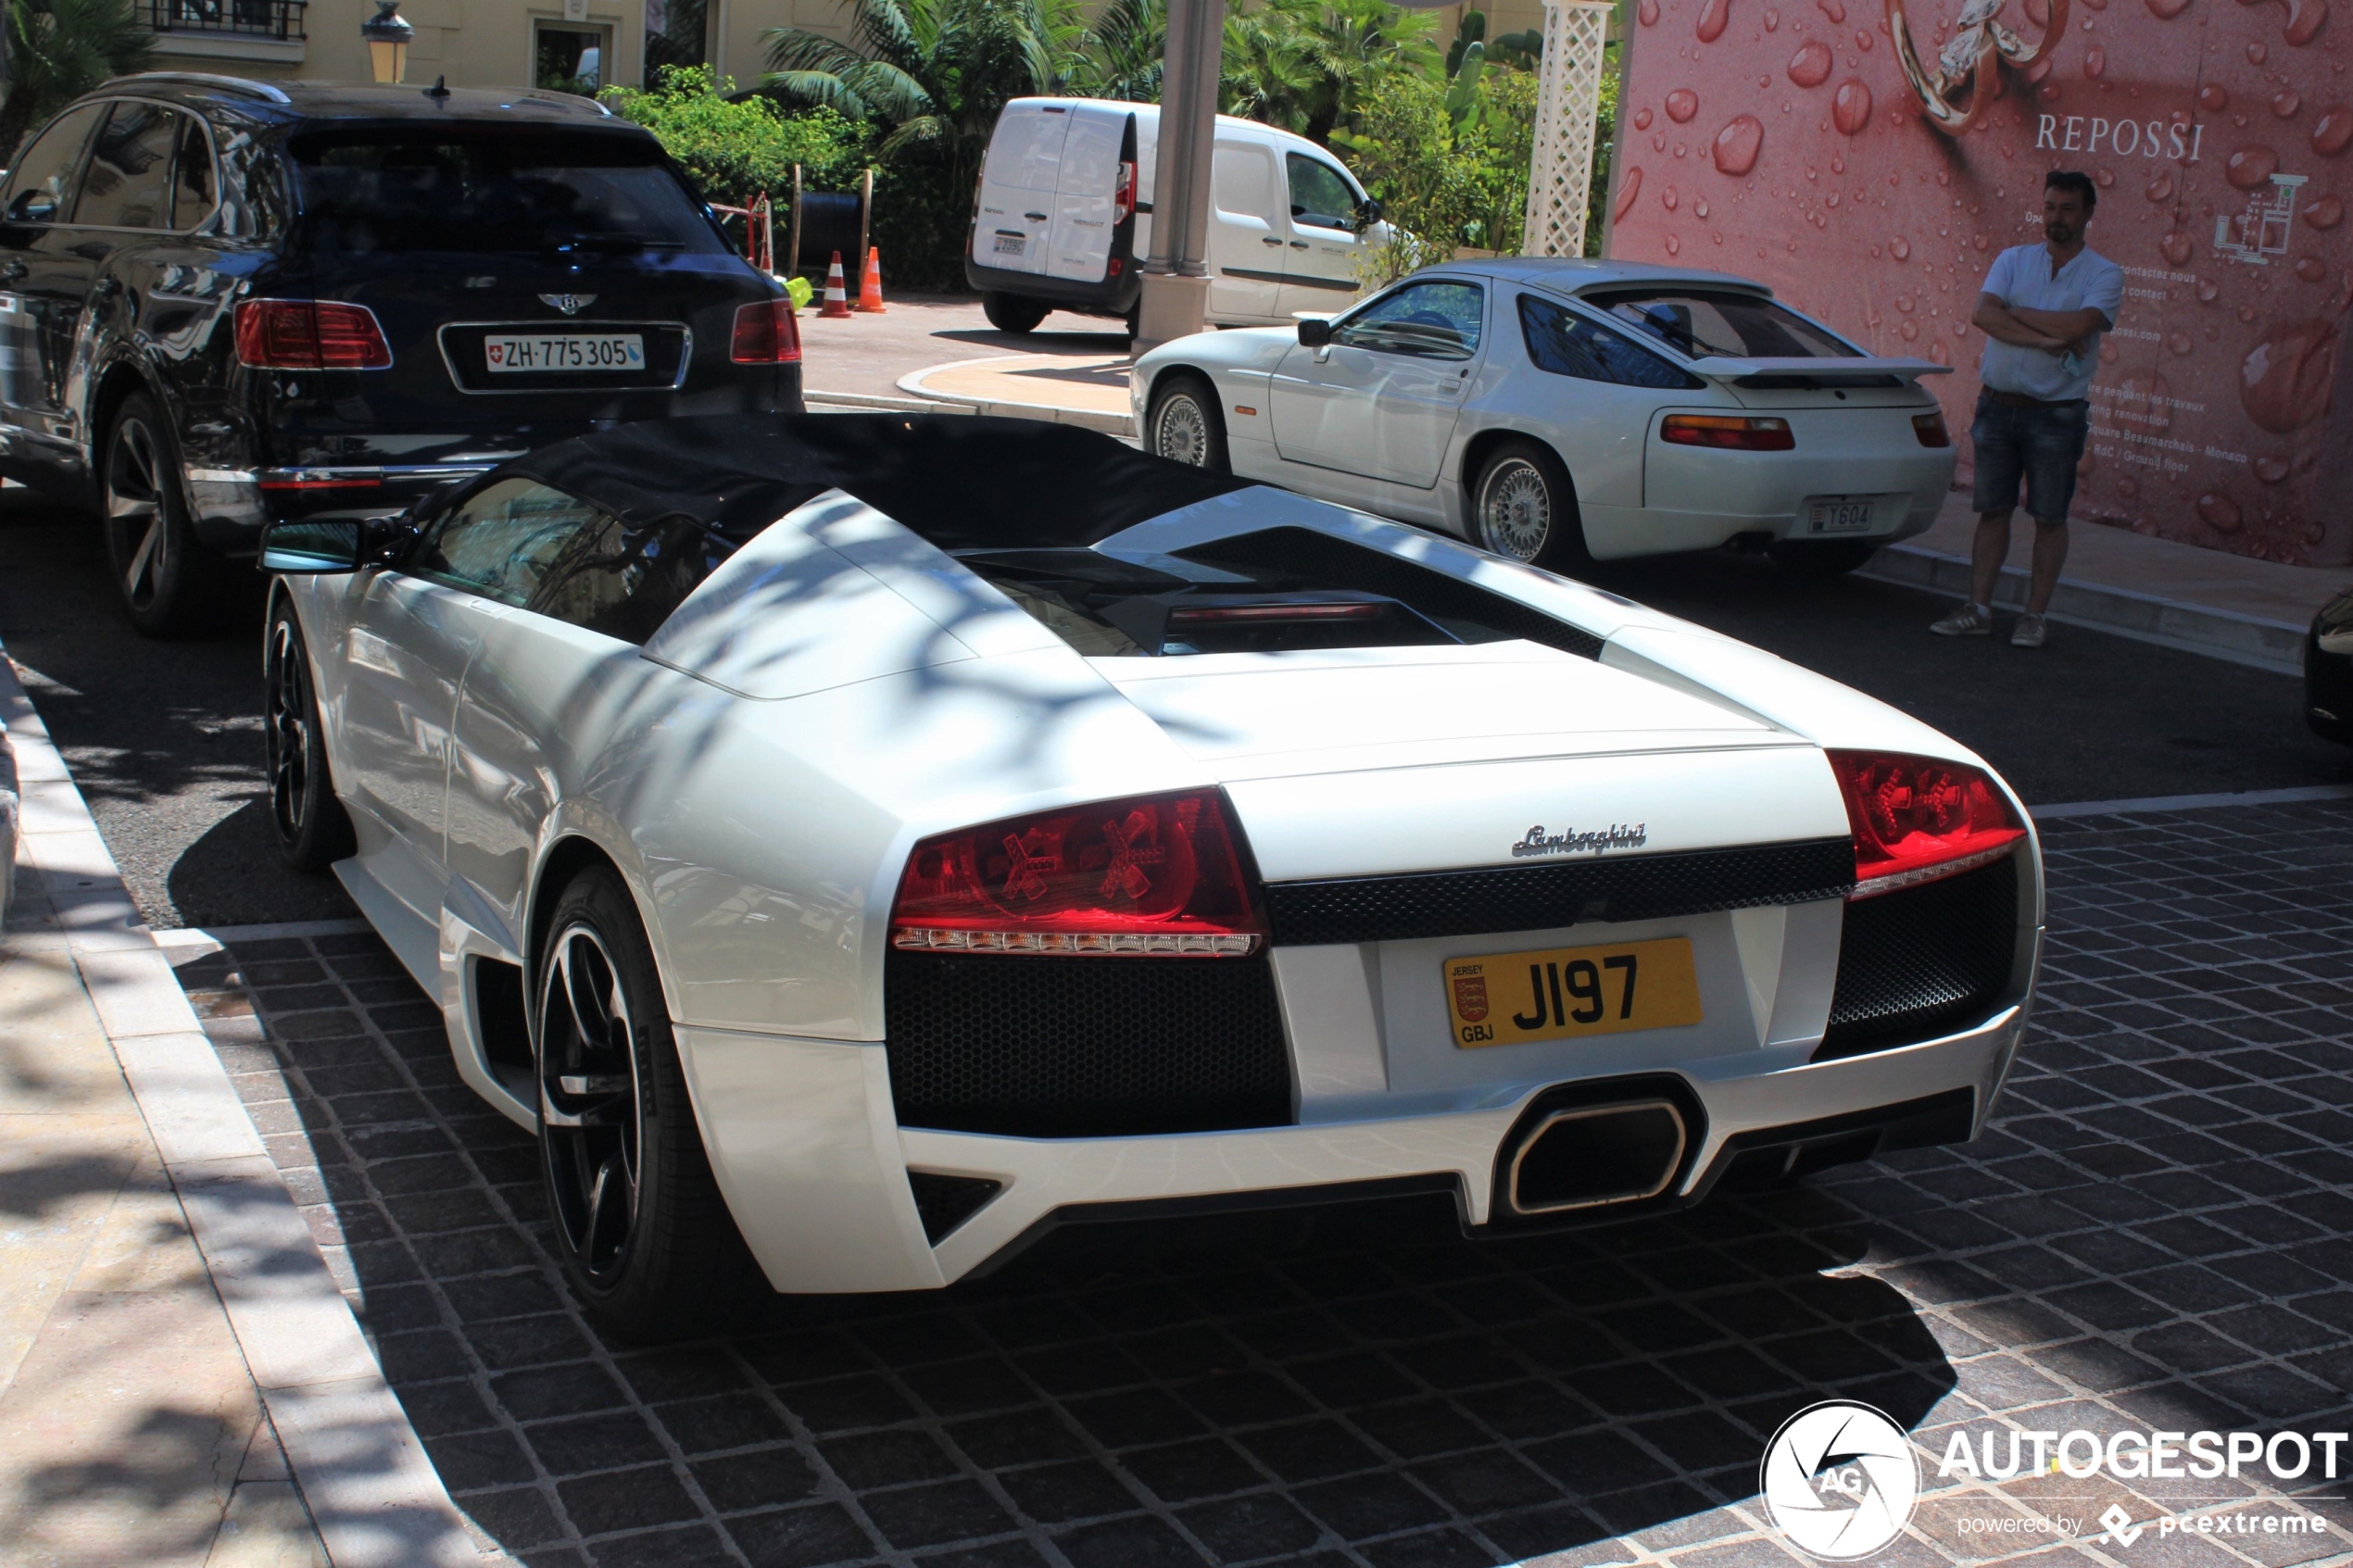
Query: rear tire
[[1185, 425], [1821, 557], [313, 831], [1012, 313], [165, 579], [1524, 507], [644, 1233]]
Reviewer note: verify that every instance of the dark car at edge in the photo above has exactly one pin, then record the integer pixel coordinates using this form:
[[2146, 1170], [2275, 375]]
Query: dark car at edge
[[224, 303]]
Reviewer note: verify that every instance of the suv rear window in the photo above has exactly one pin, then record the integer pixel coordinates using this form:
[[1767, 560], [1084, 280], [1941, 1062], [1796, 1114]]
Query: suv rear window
[[1700, 324], [442, 188]]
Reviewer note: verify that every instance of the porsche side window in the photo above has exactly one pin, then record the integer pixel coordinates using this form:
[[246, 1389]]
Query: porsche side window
[[1704, 322], [1433, 321], [1320, 194], [500, 543], [1566, 344]]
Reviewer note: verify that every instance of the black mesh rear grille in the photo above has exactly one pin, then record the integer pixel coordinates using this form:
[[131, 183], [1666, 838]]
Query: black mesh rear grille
[[1085, 1047], [945, 1202], [1923, 961], [1398, 909], [1335, 563]]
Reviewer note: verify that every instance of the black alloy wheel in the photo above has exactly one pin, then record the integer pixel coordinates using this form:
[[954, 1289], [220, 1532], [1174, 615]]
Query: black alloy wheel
[[1012, 313], [644, 1237], [163, 575], [1524, 507], [1821, 557], [1184, 424], [313, 831]]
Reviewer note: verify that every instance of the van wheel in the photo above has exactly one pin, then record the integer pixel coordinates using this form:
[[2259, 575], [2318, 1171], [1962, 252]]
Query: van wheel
[[1821, 558], [1010, 313], [1524, 507], [1184, 424], [164, 578], [313, 831], [643, 1233]]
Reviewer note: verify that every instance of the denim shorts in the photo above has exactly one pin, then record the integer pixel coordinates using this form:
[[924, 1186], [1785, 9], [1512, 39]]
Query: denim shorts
[[2040, 444]]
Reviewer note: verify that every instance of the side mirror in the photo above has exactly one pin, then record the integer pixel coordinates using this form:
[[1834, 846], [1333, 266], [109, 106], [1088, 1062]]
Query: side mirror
[[1313, 332], [322, 544], [1369, 212]]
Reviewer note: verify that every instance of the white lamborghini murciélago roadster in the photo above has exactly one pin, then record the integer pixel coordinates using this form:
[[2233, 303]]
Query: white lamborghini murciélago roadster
[[856, 843]]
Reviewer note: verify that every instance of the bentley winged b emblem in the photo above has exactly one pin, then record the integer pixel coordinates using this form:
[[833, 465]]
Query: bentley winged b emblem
[[1969, 63], [573, 304]]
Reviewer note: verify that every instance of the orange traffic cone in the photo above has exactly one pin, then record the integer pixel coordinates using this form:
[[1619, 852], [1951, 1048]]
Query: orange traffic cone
[[837, 294], [870, 299]]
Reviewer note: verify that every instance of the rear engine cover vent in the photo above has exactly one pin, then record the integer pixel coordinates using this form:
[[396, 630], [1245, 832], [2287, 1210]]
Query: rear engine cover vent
[[1923, 961]]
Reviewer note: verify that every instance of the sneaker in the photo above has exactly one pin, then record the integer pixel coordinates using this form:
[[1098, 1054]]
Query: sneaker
[[2029, 632], [1970, 621]]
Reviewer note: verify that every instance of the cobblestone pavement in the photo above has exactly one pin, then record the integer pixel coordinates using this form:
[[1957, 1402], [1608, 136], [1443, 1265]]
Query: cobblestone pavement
[[2153, 1236]]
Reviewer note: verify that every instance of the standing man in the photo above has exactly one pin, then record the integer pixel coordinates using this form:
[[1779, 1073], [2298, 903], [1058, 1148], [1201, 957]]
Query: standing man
[[2043, 310]]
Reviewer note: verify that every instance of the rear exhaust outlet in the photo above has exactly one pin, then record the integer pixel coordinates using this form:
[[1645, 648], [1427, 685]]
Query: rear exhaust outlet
[[1592, 1156]]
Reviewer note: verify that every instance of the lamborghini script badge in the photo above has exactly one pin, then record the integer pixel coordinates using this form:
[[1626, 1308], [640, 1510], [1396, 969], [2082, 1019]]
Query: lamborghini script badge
[[569, 304], [1617, 835]]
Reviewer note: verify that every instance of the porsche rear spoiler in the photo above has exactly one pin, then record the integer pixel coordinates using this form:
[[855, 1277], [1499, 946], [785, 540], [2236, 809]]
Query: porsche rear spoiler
[[1723, 367]]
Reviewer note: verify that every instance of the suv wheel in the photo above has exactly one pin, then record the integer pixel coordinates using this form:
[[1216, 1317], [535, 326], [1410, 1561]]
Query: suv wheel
[[313, 831], [644, 1235], [162, 573], [1524, 507], [1184, 425], [1010, 313]]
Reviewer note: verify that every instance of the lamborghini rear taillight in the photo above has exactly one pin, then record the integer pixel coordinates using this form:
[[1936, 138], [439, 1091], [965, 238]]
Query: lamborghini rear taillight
[[1916, 819], [1156, 875]]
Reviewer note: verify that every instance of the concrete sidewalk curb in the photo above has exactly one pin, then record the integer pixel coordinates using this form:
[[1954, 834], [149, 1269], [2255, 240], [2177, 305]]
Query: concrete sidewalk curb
[[1086, 419], [372, 1490], [823, 401], [2276, 646]]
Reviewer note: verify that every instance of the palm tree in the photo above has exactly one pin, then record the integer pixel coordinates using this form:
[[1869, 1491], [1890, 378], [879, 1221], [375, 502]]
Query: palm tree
[[932, 72], [1120, 56], [58, 50], [1306, 64]]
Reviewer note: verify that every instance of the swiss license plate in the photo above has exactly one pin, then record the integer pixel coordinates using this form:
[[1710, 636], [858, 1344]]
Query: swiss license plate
[[1842, 514], [1011, 244], [1568, 993], [541, 352]]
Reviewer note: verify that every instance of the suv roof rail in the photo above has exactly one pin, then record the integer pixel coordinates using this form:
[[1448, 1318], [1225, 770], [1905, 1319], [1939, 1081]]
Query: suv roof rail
[[205, 79]]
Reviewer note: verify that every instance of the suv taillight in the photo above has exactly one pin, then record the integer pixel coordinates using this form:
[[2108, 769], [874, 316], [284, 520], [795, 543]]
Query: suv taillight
[[309, 335], [1155, 875], [1916, 819], [1931, 429], [1122, 195], [767, 333], [1730, 431]]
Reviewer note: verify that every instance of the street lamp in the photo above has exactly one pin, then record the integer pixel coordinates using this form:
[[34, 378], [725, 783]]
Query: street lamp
[[387, 37]]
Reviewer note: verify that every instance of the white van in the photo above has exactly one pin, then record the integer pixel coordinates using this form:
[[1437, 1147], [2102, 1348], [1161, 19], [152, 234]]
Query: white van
[[1065, 218]]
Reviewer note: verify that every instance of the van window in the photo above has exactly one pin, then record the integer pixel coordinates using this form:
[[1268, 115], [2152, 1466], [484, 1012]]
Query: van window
[[37, 185], [1242, 182], [129, 183], [1320, 194]]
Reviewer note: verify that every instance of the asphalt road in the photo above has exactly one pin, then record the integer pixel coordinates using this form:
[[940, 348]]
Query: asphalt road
[[165, 739]]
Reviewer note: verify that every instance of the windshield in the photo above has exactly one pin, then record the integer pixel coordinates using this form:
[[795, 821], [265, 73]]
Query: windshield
[[435, 188], [1700, 324]]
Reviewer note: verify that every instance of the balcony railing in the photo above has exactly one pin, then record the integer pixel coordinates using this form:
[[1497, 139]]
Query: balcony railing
[[250, 19]]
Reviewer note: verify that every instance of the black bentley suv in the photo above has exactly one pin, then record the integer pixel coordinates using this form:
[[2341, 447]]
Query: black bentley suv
[[225, 302]]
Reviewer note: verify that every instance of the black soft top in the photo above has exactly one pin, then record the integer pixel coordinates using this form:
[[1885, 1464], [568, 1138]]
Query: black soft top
[[962, 482]]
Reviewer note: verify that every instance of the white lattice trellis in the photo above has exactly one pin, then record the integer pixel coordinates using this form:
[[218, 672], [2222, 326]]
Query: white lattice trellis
[[1568, 101]]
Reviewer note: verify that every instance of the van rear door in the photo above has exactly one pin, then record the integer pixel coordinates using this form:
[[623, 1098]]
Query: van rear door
[[1018, 185], [1091, 177]]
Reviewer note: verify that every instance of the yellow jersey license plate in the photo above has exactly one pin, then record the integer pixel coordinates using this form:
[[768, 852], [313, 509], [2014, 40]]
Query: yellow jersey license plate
[[1568, 993]]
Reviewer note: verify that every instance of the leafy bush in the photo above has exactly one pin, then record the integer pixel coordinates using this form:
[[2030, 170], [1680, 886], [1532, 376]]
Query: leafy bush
[[734, 149]]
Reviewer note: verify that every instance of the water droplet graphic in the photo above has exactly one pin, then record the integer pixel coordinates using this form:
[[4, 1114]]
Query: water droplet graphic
[[2257, 54], [2311, 269], [1810, 67], [1903, 301], [2106, 178], [1642, 119], [1851, 109], [1772, 20], [2165, 10], [2333, 133], [2208, 290], [2221, 512], [1908, 331], [2284, 102], [2326, 213], [1863, 42], [1630, 190], [2251, 166], [2212, 99], [1833, 10], [1666, 198], [2127, 486], [2305, 20], [2179, 342], [2160, 186], [2094, 62], [1674, 245], [2271, 471], [1699, 209], [1738, 144], [2176, 247], [2284, 380], [1900, 248], [1647, 13], [1712, 18], [1681, 104]]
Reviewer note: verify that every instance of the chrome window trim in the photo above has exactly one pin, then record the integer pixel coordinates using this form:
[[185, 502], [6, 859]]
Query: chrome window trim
[[441, 339]]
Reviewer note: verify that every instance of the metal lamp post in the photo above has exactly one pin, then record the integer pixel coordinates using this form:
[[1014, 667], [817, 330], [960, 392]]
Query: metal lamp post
[[387, 37]]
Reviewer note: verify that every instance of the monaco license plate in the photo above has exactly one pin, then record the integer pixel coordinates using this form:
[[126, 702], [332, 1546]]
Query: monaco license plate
[[1568, 993], [541, 352], [1011, 244], [1842, 514]]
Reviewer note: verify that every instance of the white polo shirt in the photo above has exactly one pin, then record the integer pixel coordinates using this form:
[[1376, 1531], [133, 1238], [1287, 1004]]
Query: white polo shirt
[[2021, 278]]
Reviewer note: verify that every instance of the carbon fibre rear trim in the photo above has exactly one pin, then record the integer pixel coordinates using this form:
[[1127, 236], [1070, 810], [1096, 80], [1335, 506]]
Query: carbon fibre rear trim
[[1468, 903]]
